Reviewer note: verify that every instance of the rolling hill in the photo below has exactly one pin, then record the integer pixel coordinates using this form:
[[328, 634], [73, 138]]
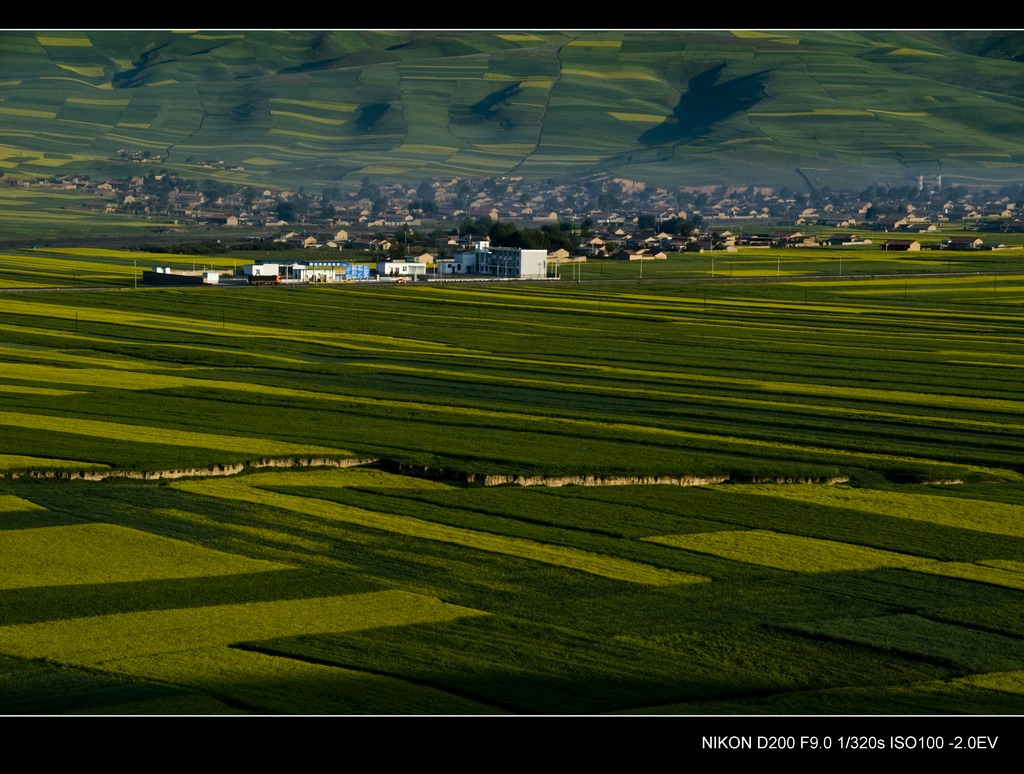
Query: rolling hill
[[836, 108]]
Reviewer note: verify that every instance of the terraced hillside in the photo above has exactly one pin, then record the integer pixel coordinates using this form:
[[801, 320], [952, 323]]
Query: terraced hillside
[[471, 499], [712, 107]]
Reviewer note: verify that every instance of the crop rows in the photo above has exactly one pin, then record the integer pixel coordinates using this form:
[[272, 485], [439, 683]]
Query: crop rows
[[474, 558], [369, 590], [741, 358]]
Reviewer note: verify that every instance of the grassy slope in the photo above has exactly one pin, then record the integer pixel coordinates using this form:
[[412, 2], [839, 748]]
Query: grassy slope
[[364, 591], [307, 108]]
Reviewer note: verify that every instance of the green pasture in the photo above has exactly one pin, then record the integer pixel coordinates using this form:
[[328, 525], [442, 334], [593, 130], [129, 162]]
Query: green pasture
[[82, 267], [537, 551], [795, 263], [102, 553], [827, 621], [848, 355], [261, 682], [84, 641], [35, 216], [658, 106], [402, 588]]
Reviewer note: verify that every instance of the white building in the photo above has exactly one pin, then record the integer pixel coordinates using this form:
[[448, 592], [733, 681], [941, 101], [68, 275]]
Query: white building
[[502, 262], [401, 269], [304, 271]]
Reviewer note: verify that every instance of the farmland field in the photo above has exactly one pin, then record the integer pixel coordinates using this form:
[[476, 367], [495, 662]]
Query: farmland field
[[707, 106], [589, 497]]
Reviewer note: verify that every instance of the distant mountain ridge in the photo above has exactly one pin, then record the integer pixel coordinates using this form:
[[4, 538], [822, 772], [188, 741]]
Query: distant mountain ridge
[[314, 108]]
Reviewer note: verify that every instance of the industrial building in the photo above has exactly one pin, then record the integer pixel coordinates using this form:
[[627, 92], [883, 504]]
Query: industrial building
[[500, 262], [165, 275], [482, 261], [306, 271], [401, 269]]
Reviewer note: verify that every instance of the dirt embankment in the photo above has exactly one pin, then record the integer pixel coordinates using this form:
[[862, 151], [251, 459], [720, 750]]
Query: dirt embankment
[[418, 471], [214, 470], [483, 479]]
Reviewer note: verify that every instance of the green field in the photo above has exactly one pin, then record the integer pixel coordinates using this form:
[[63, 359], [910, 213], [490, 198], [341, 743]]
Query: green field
[[318, 108], [514, 538]]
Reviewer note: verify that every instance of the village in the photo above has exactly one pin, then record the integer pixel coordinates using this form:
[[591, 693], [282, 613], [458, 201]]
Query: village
[[604, 200], [426, 231]]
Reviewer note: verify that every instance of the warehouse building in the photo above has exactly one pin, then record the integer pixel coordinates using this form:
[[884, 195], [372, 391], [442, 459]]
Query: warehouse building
[[306, 271], [501, 262], [401, 269]]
